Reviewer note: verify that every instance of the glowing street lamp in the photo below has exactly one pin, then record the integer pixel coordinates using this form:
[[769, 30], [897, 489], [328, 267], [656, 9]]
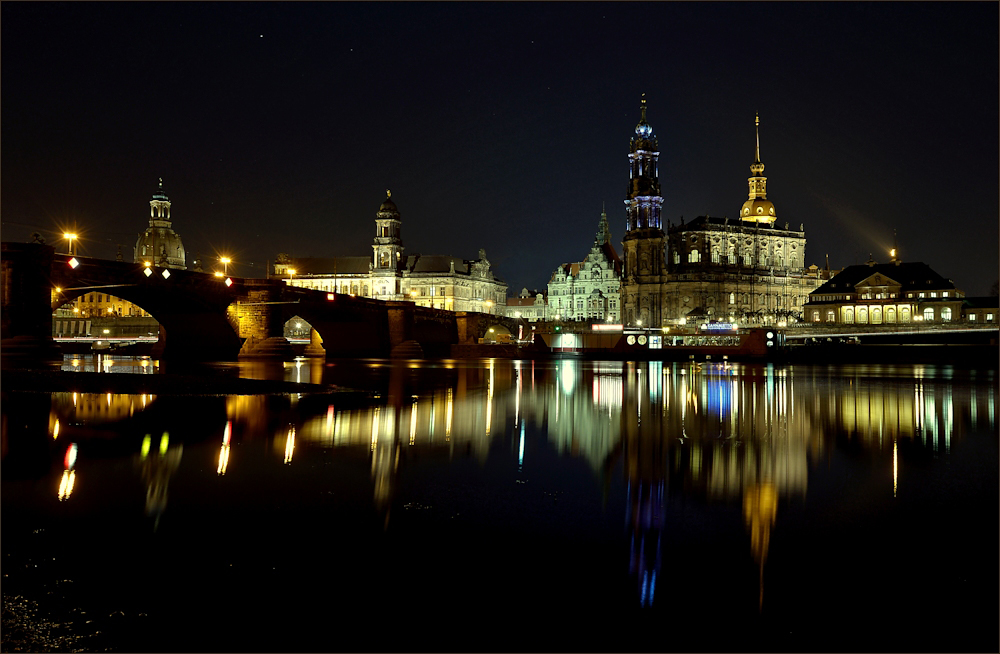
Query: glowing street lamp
[[70, 238], [291, 275], [225, 264]]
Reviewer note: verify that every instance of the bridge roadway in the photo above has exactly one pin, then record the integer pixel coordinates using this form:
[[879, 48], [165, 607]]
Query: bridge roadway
[[204, 317]]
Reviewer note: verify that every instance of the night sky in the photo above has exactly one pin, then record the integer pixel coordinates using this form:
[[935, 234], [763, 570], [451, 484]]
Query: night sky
[[278, 127]]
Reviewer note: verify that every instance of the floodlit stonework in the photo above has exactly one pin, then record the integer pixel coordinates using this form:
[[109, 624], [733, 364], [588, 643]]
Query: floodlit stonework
[[160, 245], [436, 281]]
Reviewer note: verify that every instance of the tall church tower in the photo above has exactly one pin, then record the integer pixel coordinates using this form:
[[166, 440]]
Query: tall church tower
[[160, 245], [387, 258], [643, 243]]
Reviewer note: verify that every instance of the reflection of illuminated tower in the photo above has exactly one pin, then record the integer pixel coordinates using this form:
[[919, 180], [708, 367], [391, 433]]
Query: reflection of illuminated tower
[[157, 468], [645, 448], [760, 506]]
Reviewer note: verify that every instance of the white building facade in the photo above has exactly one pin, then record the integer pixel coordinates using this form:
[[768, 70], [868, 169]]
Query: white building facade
[[435, 281]]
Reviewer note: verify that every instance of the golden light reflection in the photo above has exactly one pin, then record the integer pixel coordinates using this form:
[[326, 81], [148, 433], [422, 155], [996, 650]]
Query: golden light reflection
[[66, 484], [448, 416], [413, 422], [223, 460], [895, 467], [760, 508], [55, 430], [224, 452], [289, 445]]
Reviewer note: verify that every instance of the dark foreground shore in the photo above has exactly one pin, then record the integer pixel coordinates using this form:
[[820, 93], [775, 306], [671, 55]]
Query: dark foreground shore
[[54, 381]]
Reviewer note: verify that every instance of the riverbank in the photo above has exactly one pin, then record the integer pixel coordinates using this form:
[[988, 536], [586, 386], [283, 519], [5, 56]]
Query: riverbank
[[55, 381]]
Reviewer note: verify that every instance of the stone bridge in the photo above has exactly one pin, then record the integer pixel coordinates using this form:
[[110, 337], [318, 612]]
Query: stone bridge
[[204, 317]]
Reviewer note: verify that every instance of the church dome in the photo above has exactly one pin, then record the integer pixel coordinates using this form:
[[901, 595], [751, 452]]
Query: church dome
[[388, 206], [758, 210]]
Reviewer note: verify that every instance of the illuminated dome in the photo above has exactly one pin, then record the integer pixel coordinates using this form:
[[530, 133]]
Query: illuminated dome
[[388, 206], [758, 210], [643, 130], [160, 245]]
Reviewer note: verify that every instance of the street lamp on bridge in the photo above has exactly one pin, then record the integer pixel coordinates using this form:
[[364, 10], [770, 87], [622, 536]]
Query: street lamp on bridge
[[70, 238], [291, 275], [225, 264]]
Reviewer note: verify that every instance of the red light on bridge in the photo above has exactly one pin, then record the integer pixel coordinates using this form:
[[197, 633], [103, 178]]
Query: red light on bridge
[[331, 297]]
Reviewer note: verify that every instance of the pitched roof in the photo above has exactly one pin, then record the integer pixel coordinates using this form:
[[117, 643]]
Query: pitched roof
[[435, 263], [982, 302], [914, 276], [331, 265]]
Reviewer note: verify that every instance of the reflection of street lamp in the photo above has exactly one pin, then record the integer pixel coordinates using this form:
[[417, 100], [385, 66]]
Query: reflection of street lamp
[[70, 238], [225, 264]]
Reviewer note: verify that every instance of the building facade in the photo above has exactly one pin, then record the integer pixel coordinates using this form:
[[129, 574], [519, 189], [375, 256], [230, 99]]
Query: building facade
[[531, 306], [591, 289], [887, 293], [160, 245], [744, 270], [436, 281]]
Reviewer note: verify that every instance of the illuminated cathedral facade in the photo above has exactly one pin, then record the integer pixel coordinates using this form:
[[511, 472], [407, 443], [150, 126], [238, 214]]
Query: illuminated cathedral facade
[[747, 269]]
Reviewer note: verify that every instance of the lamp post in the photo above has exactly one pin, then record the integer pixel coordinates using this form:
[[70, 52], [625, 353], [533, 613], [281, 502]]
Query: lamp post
[[70, 238], [291, 275], [225, 264]]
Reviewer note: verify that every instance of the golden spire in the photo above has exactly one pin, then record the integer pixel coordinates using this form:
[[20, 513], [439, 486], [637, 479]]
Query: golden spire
[[642, 107], [757, 129], [388, 194], [757, 168]]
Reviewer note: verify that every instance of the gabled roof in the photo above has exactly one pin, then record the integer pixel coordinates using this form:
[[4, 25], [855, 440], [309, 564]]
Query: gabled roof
[[914, 276]]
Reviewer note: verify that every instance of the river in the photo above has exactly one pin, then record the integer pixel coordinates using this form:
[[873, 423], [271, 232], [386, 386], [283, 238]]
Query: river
[[505, 505]]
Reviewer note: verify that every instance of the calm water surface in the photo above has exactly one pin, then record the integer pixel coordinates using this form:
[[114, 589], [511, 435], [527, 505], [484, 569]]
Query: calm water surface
[[509, 505]]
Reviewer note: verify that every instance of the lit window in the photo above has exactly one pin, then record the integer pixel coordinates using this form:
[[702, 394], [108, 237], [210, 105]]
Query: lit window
[[944, 294], [933, 293], [928, 314], [972, 317], [989, 317], [946, 313], [920, 295]]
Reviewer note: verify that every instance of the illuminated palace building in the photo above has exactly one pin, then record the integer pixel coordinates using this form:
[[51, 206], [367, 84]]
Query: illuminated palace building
[[436, 281], [746, 270]]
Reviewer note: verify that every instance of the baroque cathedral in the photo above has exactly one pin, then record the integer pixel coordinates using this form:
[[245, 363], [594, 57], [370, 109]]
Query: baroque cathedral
[[749, 269]]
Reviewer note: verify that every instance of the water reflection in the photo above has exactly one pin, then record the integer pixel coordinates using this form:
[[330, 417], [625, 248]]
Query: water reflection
[[110, 363], [745, 437], [157, 467]]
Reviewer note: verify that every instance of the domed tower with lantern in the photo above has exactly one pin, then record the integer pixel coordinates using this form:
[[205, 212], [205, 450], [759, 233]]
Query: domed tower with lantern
[[160, 245], [387, 256]]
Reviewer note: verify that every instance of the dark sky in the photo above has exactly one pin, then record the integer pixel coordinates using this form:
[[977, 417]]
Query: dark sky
[[278, 127]]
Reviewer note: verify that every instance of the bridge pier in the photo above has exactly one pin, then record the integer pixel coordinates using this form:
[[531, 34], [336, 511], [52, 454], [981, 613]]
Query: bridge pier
[[26, 312], [400, 323], [260, 323], [315, 349]]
